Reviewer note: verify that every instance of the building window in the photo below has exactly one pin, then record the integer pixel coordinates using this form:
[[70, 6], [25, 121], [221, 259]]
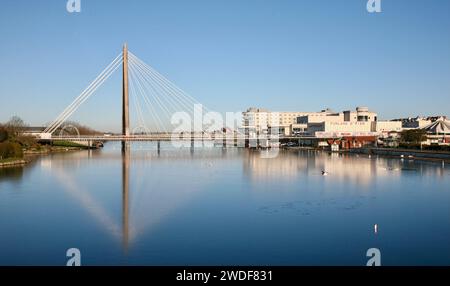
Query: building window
[[363, 118]]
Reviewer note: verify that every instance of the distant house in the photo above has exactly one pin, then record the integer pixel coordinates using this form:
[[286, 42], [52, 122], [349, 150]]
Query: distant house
[[32, 131]]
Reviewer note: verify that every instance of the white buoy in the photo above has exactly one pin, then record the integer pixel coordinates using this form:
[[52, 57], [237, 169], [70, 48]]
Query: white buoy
[[375, 228]]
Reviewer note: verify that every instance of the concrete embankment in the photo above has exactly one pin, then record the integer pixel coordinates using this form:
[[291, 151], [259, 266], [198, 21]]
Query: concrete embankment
[[405, 153], [12, 163], [29, 155]]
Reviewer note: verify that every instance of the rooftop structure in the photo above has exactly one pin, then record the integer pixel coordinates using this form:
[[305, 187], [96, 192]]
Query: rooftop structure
[[438, 127]]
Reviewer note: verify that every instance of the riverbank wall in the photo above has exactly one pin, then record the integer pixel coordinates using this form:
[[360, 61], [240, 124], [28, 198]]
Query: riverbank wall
[[13, 163], [405, 153]]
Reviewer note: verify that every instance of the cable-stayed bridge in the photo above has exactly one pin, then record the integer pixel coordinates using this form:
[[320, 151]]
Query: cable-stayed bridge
[[155, 100]]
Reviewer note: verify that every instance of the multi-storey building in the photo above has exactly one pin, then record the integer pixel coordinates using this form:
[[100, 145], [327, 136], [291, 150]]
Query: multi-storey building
[[261, 121]]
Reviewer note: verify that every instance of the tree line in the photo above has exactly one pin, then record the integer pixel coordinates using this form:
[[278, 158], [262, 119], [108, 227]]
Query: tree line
[[13, 140]]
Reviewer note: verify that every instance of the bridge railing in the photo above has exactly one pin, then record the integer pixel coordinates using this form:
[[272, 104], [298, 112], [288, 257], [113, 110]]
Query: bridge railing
[[165, 136]]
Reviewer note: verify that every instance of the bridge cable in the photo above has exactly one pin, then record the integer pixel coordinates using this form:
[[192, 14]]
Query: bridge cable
[[136, 103], [160, 90], [146, 99], [106, 73], [140, 92], [145, 86], [83, 94], [171, 86]]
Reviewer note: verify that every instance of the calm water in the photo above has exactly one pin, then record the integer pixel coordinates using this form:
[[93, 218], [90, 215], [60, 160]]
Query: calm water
[[223, 207]]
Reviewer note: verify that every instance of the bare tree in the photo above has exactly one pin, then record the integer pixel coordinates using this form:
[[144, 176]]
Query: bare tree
[[82, 129], [15, 125]]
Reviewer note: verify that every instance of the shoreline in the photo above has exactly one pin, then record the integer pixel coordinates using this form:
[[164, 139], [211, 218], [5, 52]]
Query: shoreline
[[13, 163], [403, 154], [408, 154], [29, 155]]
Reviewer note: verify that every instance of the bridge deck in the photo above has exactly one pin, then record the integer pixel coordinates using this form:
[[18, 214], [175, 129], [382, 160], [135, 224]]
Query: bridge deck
[[174, 137]]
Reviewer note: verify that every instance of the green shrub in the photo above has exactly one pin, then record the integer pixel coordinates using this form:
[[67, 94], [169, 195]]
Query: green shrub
[[413, 136], [26, 141], [3, 134], [10, 150]]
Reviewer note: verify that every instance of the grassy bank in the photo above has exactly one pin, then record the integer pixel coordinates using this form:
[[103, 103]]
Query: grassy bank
[[69, 144], [9, 160], [30, 153]]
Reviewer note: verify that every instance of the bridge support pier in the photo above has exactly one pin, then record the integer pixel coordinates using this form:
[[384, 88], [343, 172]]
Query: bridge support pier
[[125, 101], [125, 146], [159, 146]]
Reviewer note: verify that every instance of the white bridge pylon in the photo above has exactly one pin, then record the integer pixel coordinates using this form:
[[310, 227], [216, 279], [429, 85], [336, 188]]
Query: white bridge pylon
[[154, 97]]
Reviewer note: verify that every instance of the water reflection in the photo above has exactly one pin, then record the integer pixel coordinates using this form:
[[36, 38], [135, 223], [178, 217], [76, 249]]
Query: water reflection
[[60, 164], [355, 169], [13, 174], [86, 200], [174, 202], [150, 204], [125, 196]]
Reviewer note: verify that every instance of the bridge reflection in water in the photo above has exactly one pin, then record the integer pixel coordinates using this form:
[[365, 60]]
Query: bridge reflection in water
[[133, 220], [142, 208], [125, 196]]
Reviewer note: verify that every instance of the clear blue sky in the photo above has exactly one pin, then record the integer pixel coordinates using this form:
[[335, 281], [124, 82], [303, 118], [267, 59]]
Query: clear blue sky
[[284, 55]]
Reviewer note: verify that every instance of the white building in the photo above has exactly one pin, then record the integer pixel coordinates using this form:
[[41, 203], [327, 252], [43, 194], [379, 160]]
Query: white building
[[261, 121], [362, 114], [358, 122], [387, 129]]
